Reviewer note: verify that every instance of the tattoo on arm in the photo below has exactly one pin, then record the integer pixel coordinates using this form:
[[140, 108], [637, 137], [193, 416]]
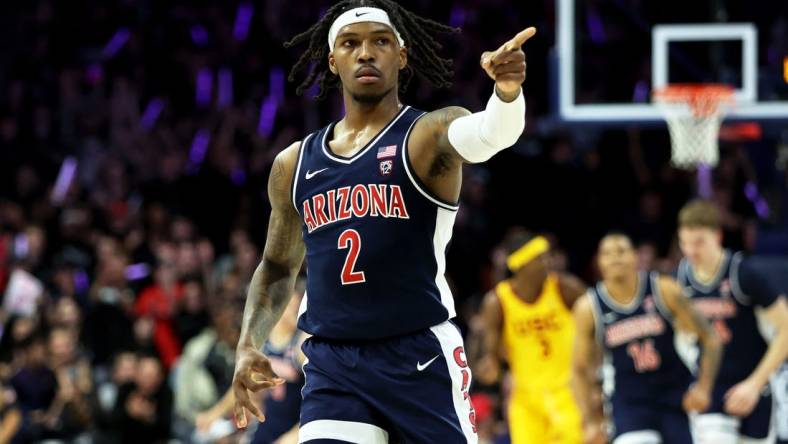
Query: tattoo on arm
[[440, 165], [273, 280], [446, 157]]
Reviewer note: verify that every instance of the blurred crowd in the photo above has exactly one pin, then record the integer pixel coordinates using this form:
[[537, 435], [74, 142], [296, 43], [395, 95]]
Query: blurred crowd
[[136, 138]]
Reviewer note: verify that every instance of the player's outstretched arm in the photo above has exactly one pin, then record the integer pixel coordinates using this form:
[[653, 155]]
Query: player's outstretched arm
[[584, 384], [460, 136], [269, 290], [698, 397]]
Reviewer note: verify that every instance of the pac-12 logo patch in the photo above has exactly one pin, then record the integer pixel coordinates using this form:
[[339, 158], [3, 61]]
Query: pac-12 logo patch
[[385, 167]]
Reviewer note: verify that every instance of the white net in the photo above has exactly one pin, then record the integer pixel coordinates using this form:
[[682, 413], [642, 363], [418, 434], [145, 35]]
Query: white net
[[694, 116]]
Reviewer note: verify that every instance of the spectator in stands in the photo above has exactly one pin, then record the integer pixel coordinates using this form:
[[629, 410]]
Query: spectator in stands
[[159, 302], [143, 409], [205, 370], [69, 416], [124, 370], [192, 316]]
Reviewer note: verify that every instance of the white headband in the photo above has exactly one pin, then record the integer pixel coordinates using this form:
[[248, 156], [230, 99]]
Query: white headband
[[358, 15]]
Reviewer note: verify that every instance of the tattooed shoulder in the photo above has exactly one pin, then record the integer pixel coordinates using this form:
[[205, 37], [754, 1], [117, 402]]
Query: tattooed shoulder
[[281, 177], [438, 122]]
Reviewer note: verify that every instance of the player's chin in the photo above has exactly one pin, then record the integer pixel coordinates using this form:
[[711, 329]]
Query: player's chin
[[616, 271], [369, 94]]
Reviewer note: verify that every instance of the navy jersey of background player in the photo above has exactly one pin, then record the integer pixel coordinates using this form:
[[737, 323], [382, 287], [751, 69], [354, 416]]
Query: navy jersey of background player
[[375, 238], [729, 302], [283, 402], [638, 340]]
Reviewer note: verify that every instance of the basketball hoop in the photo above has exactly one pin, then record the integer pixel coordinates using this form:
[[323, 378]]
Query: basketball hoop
[[694, 113]]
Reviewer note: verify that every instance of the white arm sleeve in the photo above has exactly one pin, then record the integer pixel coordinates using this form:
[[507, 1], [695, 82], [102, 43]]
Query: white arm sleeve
[[481, 135]]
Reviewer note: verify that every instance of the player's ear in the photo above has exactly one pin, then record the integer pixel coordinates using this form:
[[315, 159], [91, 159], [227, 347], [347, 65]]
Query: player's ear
[[332, 64], [403, 57]]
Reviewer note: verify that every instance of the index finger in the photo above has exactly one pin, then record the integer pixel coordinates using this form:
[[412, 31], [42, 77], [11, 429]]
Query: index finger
[[520, 38]]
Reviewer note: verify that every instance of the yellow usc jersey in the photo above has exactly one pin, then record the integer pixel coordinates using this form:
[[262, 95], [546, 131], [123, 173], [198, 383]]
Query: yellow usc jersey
[[538, 337]]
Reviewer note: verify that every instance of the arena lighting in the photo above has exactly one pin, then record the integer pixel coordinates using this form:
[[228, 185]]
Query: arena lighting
[[199, 35], [81, 281], [64, 179], [151, 113], [94, 73], [135, 272], [238, 176], [758, 202], [268, 109], [243, 18], [458, 16], [704, 182], [198, 150], [202, 93], [115, 44]]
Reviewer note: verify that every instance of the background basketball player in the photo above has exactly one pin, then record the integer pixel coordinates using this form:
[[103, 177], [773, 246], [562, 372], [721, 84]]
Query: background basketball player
[[371, 200], [529, 315], [630, 316], [727, 290], [282, 404]]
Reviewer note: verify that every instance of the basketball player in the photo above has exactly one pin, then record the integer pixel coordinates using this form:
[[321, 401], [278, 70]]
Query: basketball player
[[629, 314], [282, 404], [530, 315], [371, 199], [727, 290]]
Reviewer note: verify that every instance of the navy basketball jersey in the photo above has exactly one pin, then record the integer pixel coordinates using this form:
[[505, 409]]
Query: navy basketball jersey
[[638, 341], [375, 238], [282, 402], [731, 313], [286, 356]]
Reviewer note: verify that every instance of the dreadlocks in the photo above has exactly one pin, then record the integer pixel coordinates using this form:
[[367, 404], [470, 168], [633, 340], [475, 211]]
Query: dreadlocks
[[415, 30]]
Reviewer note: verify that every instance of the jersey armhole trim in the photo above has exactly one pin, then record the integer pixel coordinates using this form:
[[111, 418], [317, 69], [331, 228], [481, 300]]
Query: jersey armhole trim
[[596, 312], [657, 290], [681, 273], [735, 264], [298, 171], [414, 179]]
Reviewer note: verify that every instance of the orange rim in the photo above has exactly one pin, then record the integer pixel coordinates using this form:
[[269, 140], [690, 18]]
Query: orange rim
[[703, 99]]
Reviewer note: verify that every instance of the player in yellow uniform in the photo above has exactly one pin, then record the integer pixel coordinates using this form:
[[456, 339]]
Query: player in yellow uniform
[[529, 317]]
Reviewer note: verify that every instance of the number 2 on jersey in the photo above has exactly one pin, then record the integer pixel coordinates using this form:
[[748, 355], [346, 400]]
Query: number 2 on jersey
[[352, 240]]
